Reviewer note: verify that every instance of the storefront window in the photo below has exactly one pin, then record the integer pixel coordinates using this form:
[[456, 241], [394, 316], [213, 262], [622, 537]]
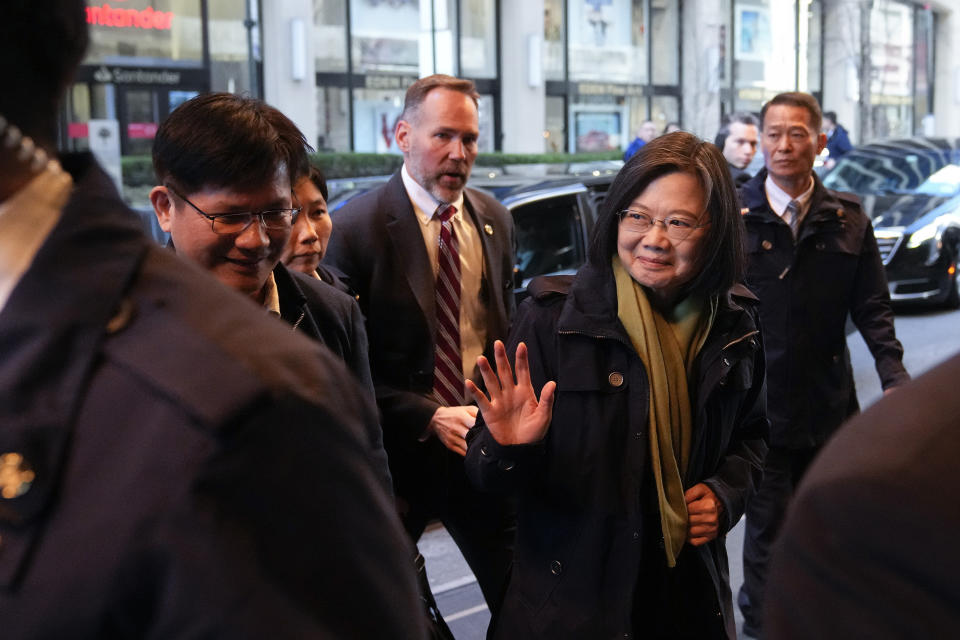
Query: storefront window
[[230, 68], [330, 35], [891, 87], [478, 46], [607, 40], [553, 39], [333, 119], [375, 116], [598, 123], [810, 39], [666, 109], [386, 35], [764, 51], [923, 98], [159, 33], [665, 18], [553, 138]]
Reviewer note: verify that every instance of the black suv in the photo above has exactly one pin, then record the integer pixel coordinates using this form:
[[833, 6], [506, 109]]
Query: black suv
[[553, 217], [910, 189]]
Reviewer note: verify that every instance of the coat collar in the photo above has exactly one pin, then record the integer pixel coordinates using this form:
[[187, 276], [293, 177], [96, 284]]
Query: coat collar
[[404, 231], [825, 207]]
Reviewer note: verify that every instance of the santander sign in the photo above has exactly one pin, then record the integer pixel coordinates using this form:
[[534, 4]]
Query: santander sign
[[107, 16]]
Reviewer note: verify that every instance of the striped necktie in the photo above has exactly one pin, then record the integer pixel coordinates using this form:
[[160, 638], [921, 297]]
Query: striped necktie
[[448, 358], [793, 208]]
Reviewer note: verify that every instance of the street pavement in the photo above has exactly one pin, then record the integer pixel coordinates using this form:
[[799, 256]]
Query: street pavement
[[929, 337]]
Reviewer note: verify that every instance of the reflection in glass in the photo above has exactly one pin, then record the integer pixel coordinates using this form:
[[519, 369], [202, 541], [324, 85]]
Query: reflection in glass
[[146, 33], [607, 40], [330, 35], [478, 47], [553, 39], [333, 119]]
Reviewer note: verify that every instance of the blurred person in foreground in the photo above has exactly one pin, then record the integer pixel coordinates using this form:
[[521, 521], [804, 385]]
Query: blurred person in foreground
[[171, 464], [812, 261], [432, 263], [648, 435], [869, 547], [737, 139], [311, 231]]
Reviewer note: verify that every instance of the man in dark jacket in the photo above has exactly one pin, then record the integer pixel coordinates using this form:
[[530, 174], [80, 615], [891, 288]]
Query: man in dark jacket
[[171, 464], [869, 547], [225, 165], [838, 141], [813, 260], [737, 139], [432, 264]]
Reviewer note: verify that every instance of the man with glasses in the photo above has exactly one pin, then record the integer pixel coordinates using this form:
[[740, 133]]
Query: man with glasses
[[225, 165]]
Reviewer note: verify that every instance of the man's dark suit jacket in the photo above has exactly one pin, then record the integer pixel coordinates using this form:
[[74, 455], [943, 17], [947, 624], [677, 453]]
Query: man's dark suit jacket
[[189, 466], [378, 245], [869, 548]]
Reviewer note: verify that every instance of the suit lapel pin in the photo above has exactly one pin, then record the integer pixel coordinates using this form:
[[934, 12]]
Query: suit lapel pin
[[488, 229], [744, 211], [840, 213]]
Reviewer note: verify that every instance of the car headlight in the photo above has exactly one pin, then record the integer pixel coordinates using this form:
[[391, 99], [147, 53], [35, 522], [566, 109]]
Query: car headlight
[[931, 234], [924, 234]]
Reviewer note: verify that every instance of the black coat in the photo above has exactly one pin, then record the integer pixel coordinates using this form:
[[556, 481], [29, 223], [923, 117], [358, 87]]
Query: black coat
[[580, 521], [198, 470], [869, 548], [378, 245], [806, 290], [332, 318]]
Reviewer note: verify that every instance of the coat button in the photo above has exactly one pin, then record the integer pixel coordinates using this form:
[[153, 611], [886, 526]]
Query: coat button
[[836, 358], [483, 451], [636, 535], [821, 246], [726, 362], [505, 465], [556, 568], [638, 435], [16, 477], [615, 379], [767, 245]]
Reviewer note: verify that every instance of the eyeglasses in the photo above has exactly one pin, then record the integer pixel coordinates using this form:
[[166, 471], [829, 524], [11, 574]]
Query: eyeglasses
[[233, 223], [676, 226]]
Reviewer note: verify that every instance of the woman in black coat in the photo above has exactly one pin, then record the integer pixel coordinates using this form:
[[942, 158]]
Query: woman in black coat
[[650, 429]]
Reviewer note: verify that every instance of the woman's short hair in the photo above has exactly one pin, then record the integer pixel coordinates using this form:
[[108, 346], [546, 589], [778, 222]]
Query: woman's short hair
[[721, 262], [319, 180]]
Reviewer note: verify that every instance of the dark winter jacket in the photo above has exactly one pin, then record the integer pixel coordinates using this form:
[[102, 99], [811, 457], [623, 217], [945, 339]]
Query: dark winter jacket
[[581, 523], [806, 289]]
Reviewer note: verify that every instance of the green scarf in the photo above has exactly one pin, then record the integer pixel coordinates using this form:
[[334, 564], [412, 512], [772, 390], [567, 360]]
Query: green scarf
[[667, 347]]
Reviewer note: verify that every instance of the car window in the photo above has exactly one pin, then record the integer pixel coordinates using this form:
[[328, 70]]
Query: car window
[[886, 172], [549, 237]]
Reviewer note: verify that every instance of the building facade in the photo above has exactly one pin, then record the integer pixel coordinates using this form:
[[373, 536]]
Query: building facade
[[554, 75]]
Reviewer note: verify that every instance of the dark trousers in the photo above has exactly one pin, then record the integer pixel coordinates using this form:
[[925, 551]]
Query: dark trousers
[[782, 471], [482, 525]]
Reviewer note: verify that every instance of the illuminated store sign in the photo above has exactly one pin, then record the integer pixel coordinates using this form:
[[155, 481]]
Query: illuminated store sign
[[107, 16]]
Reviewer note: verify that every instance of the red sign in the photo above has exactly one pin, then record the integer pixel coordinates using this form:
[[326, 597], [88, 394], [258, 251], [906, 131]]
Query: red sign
[[107, 16], [142, 130], [78, 130]]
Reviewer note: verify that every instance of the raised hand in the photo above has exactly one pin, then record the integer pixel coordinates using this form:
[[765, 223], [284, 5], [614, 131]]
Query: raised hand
[[512, 413]]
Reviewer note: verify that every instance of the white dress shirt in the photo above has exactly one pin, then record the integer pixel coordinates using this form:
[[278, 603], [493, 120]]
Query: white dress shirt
[[779, 199]]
